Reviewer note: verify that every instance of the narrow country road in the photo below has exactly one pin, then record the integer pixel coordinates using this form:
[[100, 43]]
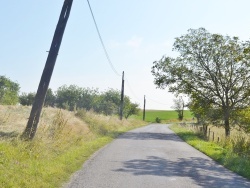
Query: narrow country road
[[153, 157]]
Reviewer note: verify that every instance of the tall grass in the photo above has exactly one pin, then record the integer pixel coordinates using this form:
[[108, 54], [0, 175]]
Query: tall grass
[[233, 153], [62, 143], [239, 141]]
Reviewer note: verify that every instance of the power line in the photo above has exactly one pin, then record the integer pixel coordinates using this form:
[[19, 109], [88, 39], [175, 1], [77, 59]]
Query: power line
[[109, 60], [104, 48], [106, 53], [133, 93], [129, 87]]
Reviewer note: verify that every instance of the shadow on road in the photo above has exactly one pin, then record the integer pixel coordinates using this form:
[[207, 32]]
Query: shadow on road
[[204, 172], [150, 136]]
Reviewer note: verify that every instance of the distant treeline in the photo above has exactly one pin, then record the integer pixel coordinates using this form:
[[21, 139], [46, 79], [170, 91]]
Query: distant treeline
[[71, 98]]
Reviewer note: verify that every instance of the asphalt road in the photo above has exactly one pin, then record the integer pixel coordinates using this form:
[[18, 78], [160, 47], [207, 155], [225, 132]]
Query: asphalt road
[[153, 157]]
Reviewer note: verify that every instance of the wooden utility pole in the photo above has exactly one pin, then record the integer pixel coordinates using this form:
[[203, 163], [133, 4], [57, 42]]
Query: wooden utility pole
[[122, 97], [33, 121], [144, 106]]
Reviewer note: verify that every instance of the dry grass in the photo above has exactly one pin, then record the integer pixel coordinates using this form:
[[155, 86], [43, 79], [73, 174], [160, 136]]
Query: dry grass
[[220, 132], [238, 142], [106, 125], [62, 143], [13, 119]]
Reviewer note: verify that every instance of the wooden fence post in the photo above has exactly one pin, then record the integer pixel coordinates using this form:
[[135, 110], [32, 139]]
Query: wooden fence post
[[208, 133]]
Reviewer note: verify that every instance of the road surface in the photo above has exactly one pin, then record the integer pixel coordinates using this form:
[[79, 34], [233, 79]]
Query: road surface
[[153, 157]]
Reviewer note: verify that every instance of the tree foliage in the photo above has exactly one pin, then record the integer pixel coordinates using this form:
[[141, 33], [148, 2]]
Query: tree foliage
[[50, 99], [130, 108], [27, 99], [8, 91], [73, 98], [210, 67], [242, 119], [68, 97], [109, 102], [179, 107]]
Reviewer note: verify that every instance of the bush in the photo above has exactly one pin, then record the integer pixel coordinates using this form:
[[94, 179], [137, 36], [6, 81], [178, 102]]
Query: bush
[[8, 91], [241, 146], [157, 120]]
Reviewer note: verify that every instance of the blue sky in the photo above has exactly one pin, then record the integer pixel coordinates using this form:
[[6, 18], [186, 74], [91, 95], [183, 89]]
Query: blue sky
[[135, 33]]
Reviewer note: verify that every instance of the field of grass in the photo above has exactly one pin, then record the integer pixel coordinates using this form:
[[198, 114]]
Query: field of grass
[[64, 140], [166, 116], [224, 153]]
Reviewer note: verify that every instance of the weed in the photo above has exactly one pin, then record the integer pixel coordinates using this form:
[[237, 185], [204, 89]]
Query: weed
[[241, 146]]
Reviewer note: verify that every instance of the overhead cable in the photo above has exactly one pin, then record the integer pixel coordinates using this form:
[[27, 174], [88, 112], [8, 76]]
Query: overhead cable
[[127, 83], [100, 37]]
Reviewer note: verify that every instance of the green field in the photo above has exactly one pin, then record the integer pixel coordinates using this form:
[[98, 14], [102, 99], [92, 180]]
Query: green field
[[166, 116]]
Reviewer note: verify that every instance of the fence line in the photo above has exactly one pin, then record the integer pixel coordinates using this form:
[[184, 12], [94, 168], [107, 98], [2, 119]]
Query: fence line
[[210, 135]]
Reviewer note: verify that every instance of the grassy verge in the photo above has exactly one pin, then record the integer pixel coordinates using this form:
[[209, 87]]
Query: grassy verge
[[221, 153], [63, 142], [22, 165]]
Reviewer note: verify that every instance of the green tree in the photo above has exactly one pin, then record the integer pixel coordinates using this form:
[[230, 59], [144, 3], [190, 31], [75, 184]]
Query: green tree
[[68, 97], [8, 91], [242, 119], [204, 112], [179, 107], [50, 99], [129, 108], [73, 97], [27, 99], [109, 102], [87, 98], [199, 108], [215, 68]]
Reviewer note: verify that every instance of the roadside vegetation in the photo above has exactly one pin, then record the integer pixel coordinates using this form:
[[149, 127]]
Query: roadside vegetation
[[63, 142], [233, 153], [74, 98], [213, 72]]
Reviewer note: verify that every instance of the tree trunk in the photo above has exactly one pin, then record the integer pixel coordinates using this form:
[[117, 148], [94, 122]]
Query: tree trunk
[[226, 121], [227, 127]]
